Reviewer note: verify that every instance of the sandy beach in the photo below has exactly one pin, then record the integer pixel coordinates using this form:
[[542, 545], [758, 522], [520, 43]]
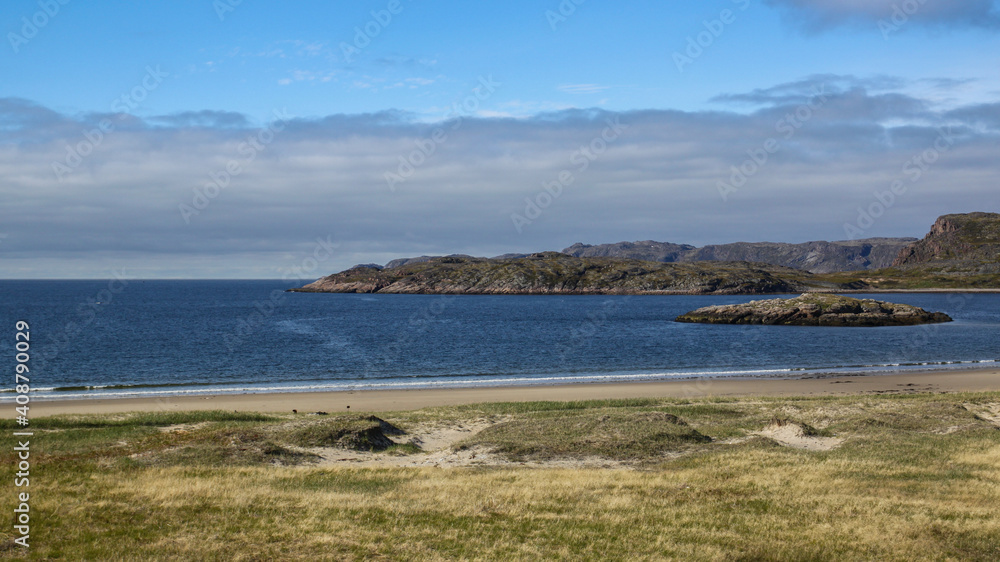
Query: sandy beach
[[389, 400]]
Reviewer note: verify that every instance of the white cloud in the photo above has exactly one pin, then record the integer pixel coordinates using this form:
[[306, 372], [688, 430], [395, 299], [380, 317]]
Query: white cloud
[[318, 177], [419, 81], [582, 88], [308, 76]]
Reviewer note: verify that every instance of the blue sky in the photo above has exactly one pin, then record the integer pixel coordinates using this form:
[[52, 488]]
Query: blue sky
[[262, 55], [200, 76]]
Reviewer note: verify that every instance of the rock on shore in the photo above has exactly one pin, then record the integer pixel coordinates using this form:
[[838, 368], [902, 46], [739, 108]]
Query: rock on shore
[[816, 309]]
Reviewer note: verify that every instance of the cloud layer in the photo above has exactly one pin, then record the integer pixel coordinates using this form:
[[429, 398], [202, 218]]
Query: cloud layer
[[209, 194]]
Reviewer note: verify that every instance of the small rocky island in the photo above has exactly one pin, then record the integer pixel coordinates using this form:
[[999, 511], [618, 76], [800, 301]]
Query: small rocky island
[[816, 309]]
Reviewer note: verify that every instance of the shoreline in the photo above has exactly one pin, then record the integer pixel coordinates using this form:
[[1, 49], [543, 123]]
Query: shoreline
[[653, 293], [978, 380]]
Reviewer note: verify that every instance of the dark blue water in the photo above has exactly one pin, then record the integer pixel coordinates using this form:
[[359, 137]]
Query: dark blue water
[[92, 338]]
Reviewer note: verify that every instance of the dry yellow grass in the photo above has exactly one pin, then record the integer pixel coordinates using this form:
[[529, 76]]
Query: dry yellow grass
[[897, 489]]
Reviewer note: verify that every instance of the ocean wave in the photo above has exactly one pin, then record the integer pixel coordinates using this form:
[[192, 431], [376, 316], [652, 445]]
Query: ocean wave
[[470, 381]]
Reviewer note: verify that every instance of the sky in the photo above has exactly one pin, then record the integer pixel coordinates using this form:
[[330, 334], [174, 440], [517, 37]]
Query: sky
[[254, 139]]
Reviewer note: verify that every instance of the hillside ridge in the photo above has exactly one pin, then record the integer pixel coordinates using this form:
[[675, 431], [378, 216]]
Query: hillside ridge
[[815, 257], [961, 252]]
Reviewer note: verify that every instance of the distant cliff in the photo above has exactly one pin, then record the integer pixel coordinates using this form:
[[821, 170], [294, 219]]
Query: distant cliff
[[556, 273], [960, 252], [647, 250], [969, 242], [815, 257]]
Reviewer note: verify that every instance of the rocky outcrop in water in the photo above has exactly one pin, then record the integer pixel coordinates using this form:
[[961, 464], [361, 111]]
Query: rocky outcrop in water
[[816, 309], [556, 273]]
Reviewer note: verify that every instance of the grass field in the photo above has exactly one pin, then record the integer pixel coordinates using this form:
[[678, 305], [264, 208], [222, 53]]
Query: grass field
[[903, 477]]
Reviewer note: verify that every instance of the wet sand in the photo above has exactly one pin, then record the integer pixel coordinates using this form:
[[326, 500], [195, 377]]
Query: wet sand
[[389, 400]]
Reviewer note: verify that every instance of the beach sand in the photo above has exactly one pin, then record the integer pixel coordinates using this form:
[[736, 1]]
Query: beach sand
[[397, 400]]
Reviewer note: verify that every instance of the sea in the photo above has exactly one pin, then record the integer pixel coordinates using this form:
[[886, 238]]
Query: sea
[[103, 339]]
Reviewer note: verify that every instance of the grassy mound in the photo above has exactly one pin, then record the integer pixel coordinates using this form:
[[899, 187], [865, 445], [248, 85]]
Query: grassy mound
[[613, 435], [801, 429], [915, 478], [359, 433], [229, 447]]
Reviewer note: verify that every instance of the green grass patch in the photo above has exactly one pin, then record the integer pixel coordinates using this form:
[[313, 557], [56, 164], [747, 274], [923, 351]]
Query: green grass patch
[[506, 408], [915, 478], [350, 432], [614, 435], [232, 446], [136, 419]]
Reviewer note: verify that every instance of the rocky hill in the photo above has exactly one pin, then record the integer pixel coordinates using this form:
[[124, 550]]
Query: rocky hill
[[815, 257], [969, 242], [646, 250], [557, 273], [813, 309], [961, 252]]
